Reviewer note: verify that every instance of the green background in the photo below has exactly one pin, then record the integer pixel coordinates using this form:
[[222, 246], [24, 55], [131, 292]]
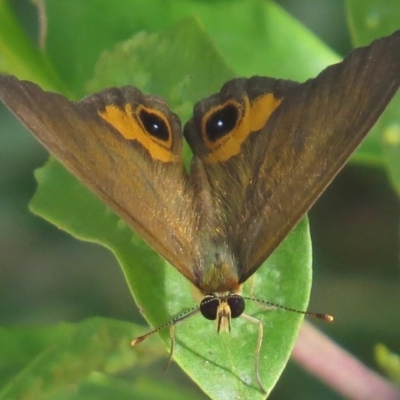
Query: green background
[[46, 276]]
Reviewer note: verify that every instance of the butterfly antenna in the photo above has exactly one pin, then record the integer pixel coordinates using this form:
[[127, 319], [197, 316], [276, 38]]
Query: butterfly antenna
[[170, 323], [324, 317]]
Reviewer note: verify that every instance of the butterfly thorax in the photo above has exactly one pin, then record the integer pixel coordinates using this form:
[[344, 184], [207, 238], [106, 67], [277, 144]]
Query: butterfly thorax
[[217, 270]]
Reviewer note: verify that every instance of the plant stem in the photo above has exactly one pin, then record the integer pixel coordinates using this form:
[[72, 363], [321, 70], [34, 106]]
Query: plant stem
[[320, 356]]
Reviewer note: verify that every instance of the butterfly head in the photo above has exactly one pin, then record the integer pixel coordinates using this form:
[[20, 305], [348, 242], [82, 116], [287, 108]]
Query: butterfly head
[[222, 307]]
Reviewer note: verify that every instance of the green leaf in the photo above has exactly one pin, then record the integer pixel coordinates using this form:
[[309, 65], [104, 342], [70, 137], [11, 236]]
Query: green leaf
[[52, 358], [159, 290], [391, 144], [101, 386], [253, 47], [369, 20], [388, 361], [19, 56], [181, 64]]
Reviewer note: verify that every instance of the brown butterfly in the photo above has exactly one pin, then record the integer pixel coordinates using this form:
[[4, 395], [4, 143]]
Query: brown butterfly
[[264, 150]]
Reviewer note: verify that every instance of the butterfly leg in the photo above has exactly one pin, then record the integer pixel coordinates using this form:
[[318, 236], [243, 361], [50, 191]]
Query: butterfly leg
[[258, 348]]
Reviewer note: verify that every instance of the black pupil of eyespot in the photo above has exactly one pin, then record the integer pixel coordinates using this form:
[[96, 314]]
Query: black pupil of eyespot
[[221, 122], [236, 304], [154, 124], [209, 307]]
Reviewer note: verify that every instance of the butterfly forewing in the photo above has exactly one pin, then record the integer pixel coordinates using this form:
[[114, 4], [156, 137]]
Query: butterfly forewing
[[151, 195], [310, 130], [264, 150]]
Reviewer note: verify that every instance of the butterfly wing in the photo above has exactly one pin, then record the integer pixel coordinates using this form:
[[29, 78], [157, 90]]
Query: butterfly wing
[[126, 147], [268, 148]]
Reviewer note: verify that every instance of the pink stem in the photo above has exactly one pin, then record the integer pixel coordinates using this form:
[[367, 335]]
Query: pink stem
[[320, 356]]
